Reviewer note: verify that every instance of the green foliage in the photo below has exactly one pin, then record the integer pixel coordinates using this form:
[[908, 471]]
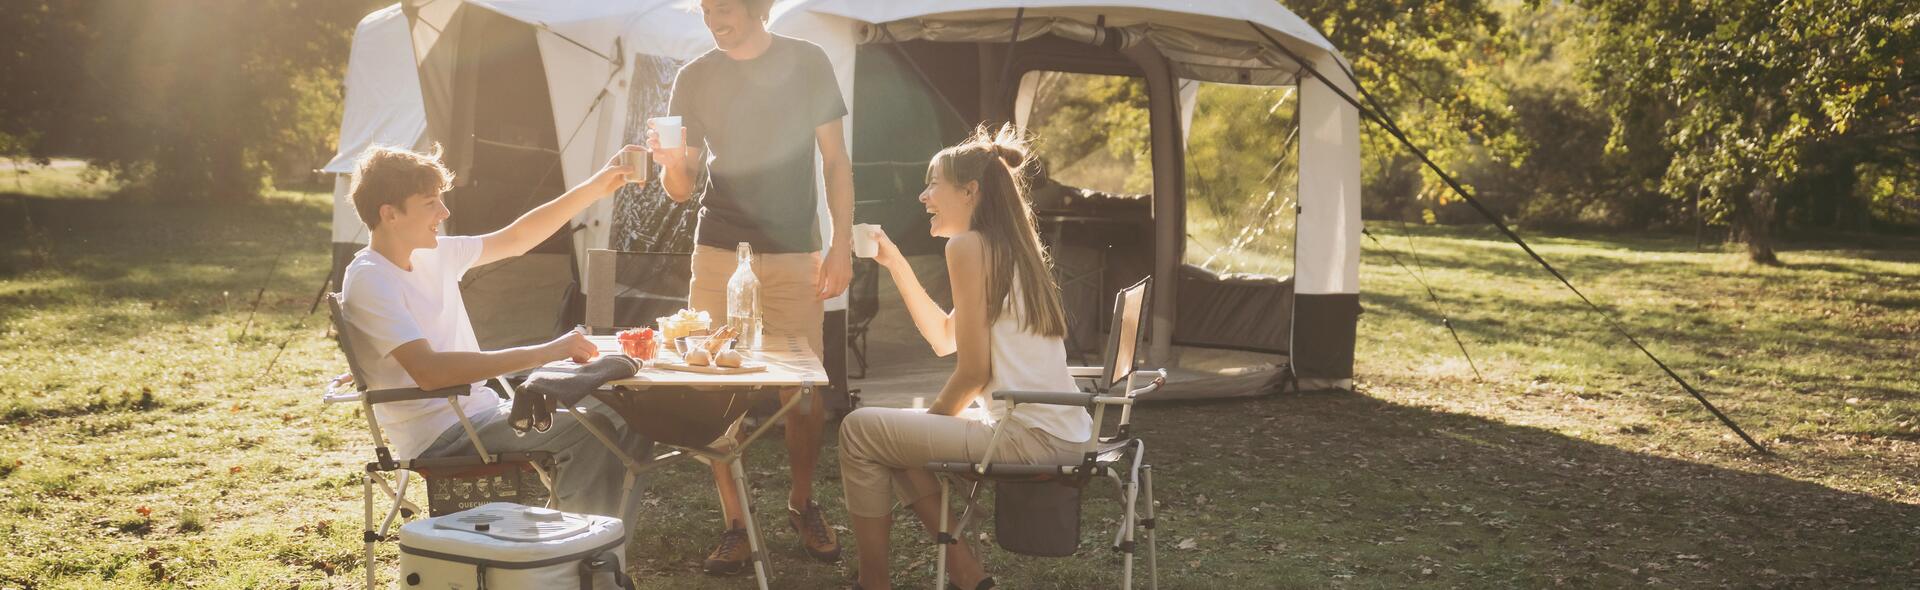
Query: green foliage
[[191, 100], [1755, 99]]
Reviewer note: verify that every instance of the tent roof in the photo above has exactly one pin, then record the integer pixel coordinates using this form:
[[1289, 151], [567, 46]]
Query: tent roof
[[1208, 40], [1220, 17], [383, 106]]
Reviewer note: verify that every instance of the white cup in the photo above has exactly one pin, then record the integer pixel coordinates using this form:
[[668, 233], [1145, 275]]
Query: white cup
[[669, 131], [864, 244], [637, 160]]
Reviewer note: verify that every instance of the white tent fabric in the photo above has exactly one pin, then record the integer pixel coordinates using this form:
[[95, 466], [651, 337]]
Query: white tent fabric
[[586, 47], [383, 107]]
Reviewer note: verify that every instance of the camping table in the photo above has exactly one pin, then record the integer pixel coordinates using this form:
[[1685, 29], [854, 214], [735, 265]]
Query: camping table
[[720, 400]]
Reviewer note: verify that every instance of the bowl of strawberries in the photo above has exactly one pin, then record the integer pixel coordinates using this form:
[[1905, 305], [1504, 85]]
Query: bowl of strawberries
[[640, 343]]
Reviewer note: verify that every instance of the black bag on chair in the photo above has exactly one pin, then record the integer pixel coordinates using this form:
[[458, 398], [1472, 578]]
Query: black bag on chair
[[1040, 518]]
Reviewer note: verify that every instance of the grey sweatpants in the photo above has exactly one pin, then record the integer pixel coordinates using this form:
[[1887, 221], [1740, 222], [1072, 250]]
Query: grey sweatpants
[[587, 477]]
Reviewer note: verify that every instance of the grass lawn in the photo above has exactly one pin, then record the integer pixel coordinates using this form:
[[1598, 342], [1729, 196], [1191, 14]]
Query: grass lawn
[[149, 438]]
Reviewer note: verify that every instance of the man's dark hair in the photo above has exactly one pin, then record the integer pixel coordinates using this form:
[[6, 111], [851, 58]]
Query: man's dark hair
[[387, 176]]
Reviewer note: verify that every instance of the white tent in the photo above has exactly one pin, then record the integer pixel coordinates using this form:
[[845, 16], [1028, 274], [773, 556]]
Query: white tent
[[531, 96], [383, 108]]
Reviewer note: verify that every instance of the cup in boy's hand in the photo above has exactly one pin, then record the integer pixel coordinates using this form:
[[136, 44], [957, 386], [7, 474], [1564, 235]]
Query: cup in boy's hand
[[637, 160]]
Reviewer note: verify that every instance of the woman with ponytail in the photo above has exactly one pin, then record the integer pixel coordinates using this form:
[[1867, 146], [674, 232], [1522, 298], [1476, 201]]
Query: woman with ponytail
[[1006, 329]]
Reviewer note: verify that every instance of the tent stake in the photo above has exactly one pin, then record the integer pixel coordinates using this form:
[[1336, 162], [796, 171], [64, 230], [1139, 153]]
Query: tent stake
[[1379, 117]]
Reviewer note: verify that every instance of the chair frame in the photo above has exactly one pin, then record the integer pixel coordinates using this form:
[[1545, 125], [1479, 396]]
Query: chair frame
[[1120, 457], [376, 472]]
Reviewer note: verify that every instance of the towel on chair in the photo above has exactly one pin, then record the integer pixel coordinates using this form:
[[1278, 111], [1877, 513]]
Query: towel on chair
[[566, 385]]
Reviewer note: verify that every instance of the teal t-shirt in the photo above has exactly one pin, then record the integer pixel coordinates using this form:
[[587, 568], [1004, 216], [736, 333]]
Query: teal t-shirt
[[756, 118]]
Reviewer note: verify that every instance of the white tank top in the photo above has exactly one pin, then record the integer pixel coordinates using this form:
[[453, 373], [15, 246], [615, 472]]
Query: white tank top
[[1024, 361]]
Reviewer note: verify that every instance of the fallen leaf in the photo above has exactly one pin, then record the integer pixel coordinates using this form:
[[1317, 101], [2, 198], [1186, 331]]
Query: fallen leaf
[[235, 469], [144, 511], [1187, 544]]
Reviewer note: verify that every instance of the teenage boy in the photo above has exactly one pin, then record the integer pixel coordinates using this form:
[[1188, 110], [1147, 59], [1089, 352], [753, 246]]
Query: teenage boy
[[754, 110], [410, 324]]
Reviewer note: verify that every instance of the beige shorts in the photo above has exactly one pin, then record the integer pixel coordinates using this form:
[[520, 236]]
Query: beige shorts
[[877, 446], [789, 303]]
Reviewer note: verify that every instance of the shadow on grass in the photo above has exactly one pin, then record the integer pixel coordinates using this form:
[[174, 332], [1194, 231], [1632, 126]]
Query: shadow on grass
[[1348, 487], [182, 261]]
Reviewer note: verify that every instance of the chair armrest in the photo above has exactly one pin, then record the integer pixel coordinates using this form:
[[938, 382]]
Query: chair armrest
[[1052, 398], [1159, 379], [403, 394], [1085, 372]]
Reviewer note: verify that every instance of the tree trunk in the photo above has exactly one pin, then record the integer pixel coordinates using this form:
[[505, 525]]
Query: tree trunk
[[1753, 213]]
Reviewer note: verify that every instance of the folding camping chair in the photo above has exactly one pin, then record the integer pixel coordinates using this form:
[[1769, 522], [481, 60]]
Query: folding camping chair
[[1120, 457], [453, 483]]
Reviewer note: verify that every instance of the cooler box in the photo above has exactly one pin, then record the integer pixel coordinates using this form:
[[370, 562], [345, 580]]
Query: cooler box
[[505, 546]]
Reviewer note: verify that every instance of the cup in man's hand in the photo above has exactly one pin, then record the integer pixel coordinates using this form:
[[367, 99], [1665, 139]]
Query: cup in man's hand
[[864, 244], [668, 131]]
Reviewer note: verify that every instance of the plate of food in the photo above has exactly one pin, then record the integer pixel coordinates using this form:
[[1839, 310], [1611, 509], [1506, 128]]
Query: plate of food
[[712, 354]]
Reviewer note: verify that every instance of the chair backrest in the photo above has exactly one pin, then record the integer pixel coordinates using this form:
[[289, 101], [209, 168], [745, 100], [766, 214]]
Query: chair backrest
[[344, 336], [1129, 316], [632, 288]]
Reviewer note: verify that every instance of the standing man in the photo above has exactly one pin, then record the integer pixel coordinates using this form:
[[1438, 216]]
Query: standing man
[[754, 109]]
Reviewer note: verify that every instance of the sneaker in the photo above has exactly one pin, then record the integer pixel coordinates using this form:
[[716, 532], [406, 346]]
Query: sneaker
[[815, 536], [732, 556]]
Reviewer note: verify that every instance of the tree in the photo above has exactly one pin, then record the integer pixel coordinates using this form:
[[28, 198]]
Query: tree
[[192, 99], [1755, 99]]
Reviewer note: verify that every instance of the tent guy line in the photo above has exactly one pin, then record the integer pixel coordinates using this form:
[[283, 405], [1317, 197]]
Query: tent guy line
[[1380, 117], [1431, 296]]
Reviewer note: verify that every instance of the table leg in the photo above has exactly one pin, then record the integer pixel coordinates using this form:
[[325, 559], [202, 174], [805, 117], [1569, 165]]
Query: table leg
[[633, 466], [754, 543]]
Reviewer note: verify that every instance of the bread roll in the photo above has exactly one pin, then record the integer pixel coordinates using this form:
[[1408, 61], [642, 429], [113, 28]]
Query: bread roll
[[729, 358], [699, 357]]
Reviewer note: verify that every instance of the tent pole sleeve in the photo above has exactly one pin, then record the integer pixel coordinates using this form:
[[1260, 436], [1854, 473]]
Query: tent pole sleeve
[[1380, 118]]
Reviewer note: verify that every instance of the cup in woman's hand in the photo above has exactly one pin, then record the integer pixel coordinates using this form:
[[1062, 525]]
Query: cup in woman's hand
[[865, 244]]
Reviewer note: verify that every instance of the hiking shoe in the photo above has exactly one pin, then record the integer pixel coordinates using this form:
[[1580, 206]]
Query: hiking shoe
[[815, 536], [732, 556]]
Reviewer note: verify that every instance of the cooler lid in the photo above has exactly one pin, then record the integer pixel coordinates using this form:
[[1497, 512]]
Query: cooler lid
[[512, 533], [514, 522]]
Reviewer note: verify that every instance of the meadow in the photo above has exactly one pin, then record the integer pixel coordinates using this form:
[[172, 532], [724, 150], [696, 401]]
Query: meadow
[[161, 423]]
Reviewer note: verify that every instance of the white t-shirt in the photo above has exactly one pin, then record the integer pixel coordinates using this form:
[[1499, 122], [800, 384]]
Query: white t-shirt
[[387, 307]]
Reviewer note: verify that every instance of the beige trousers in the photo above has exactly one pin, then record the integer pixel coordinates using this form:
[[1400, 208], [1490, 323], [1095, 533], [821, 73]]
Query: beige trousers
[[877, 445], [788, 300]]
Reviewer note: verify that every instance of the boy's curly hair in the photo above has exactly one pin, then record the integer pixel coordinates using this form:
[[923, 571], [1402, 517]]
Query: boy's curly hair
[[387, 176]]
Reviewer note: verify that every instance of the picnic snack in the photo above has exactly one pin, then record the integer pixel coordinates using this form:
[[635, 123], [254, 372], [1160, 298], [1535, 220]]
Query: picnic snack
[[720, 340], [640, 343], [699, 357], [684, 323], [729, 358]]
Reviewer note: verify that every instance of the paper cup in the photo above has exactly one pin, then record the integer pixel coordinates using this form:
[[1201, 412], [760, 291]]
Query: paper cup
[[671, 134], [864, 245]]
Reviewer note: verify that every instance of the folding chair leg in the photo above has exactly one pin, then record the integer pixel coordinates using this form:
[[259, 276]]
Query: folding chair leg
[[754, 543], [397, 493], [366, 526], [1132, 491], [941, 539], [1153, 550]]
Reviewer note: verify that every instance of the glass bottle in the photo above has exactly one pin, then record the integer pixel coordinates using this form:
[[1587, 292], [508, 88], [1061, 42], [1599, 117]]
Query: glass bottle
[[743, 300]]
